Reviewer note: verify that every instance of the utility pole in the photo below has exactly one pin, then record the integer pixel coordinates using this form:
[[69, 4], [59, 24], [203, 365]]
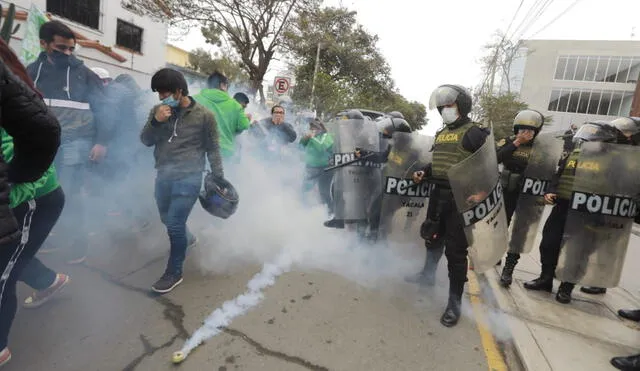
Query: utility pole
[[315, 72]]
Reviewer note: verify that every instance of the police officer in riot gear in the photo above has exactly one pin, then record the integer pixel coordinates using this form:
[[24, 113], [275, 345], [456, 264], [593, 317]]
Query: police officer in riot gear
[[559, 194], [513, 153], [628, 133], [458, 139], [393, 125]]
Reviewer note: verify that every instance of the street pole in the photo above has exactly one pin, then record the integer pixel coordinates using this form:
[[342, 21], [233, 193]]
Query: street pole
[[315, 72]]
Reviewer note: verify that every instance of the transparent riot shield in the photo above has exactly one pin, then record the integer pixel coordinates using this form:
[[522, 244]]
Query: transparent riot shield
[[404, 204], [354, 185], [600, 216], [541, 166], [478, 194]]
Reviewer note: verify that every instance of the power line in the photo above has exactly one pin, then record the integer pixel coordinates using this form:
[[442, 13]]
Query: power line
[[534, 19], [527, 16], [556, 18]]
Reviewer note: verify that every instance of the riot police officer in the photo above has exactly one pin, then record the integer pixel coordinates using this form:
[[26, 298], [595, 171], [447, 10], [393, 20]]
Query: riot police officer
[[513, 153], [392, 125], [559, 195], [458, 139]]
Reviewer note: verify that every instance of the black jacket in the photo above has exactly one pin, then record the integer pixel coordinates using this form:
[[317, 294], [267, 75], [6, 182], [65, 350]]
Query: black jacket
[[36, 137], [282, 134], [76, 83]]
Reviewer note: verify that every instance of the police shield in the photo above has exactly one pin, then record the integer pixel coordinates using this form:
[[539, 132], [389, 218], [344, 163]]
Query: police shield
[[600, 217], [541, 166], [355, 185], [404, 204], [478, 195]]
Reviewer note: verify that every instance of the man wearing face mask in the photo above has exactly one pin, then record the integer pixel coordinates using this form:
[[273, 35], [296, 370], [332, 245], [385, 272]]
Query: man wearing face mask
[[183, 132], [274, 132], [457, 140], [76, 96]]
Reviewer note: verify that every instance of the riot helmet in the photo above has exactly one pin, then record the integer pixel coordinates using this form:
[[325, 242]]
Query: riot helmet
[[629, 128], [447, 95], [528, 119], [219, 197], [396, 114], [598, 131], [395, 125], [352, 114]]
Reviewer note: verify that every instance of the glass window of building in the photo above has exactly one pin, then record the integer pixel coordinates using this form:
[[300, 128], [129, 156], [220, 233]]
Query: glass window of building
[[581, 69], [612, 70], [605, 102], [594, 101], [553, 100], [564, 100], [583, 101], [570, 72], [601, 71], [616, 102], [623, 72], [634, 71], [590, 72], [573, 101], [561, 66]]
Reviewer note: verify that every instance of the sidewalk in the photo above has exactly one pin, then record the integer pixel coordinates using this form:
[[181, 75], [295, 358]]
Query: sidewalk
[[583, 335]]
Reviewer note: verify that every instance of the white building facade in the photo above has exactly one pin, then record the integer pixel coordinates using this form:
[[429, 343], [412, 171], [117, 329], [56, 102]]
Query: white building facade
[[574, 81], [112, 37]]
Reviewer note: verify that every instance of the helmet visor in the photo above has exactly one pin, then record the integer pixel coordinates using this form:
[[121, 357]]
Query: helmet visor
[[590, 132], [443, 96]]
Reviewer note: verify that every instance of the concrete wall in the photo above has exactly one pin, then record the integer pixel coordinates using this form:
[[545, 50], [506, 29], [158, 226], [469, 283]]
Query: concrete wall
[[140, 65]]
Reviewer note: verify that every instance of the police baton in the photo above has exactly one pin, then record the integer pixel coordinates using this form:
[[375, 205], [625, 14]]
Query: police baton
[[331, 168]]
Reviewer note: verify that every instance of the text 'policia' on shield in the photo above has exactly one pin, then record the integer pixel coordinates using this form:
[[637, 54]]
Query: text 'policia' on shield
[[603, 204], [484, 207], [406, 187]]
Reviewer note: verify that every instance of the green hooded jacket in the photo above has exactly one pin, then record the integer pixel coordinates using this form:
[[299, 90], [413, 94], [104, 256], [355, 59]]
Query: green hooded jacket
[[23, 192], [229, 115], [318, 149]]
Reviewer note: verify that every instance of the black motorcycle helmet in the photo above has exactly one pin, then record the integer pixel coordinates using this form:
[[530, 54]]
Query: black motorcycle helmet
[[629, 128], [219, 197], [598, 131], [528, 119], [395, 125], [446, 95]]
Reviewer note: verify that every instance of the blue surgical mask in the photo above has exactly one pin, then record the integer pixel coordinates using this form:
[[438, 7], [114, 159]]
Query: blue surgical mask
[[170, 101]]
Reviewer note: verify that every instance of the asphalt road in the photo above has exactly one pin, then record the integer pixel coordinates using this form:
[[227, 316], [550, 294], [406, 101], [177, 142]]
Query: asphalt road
[[107, 320]]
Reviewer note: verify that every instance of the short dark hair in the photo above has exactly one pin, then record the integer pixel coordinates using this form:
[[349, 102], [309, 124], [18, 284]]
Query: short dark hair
[[55, 28], [241, 98], [215, 79], [277, 106], [169, 80]]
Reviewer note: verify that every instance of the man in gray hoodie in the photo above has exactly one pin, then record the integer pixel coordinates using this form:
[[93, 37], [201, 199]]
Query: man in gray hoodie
[[183, 132]]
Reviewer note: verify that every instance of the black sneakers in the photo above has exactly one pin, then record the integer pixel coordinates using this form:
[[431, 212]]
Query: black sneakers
[[166, 283]]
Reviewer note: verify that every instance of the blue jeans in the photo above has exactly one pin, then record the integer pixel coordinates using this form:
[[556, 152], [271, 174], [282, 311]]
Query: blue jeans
[[175, 199]]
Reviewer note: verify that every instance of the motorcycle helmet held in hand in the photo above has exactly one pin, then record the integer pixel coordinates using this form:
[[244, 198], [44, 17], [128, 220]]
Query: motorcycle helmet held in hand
[[219, 197]]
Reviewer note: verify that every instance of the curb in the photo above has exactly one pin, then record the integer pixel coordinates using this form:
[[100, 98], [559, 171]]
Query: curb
[[524, 344]]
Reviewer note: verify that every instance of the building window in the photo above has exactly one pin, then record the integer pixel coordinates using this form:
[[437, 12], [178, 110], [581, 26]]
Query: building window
[[85, 12], [601, 69], [129, 36], [593, 102]]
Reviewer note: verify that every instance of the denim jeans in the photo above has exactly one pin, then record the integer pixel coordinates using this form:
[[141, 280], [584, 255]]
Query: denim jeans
[[175, 199]]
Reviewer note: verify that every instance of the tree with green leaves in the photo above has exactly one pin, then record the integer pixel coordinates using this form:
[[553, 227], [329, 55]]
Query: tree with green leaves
[[499, 111], [204, 62], [253, 28], [351, 73]]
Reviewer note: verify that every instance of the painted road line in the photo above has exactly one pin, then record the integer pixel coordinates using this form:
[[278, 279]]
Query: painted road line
[[495, 360]]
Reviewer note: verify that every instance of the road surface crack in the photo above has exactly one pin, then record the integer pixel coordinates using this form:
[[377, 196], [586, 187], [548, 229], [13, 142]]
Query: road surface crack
[[273, 353], [172, 312]]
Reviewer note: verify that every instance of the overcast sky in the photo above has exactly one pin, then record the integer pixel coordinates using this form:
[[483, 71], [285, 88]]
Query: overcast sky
[[428, 43]]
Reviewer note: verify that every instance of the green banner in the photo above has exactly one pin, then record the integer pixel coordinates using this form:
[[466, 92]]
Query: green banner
[[31, 41]]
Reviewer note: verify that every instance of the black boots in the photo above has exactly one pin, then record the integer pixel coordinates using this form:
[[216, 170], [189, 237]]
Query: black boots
[[506, 278], [564, 292], [593, 290], [427, 276], [542, 283], [451, 314], [630, 314], [631, 363]]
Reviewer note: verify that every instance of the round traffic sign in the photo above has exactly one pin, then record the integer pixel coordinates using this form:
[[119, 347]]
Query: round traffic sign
[[281, 85]]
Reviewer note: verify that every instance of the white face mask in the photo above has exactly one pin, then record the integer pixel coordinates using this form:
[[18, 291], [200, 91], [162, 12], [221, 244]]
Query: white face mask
[[449, 114]]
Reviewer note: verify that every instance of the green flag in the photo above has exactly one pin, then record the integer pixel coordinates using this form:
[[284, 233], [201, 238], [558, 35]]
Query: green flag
[[31, 41]]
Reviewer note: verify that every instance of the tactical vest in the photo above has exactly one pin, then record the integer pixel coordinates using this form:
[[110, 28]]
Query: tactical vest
[[519, 159], [567, 177], [448, 150]]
